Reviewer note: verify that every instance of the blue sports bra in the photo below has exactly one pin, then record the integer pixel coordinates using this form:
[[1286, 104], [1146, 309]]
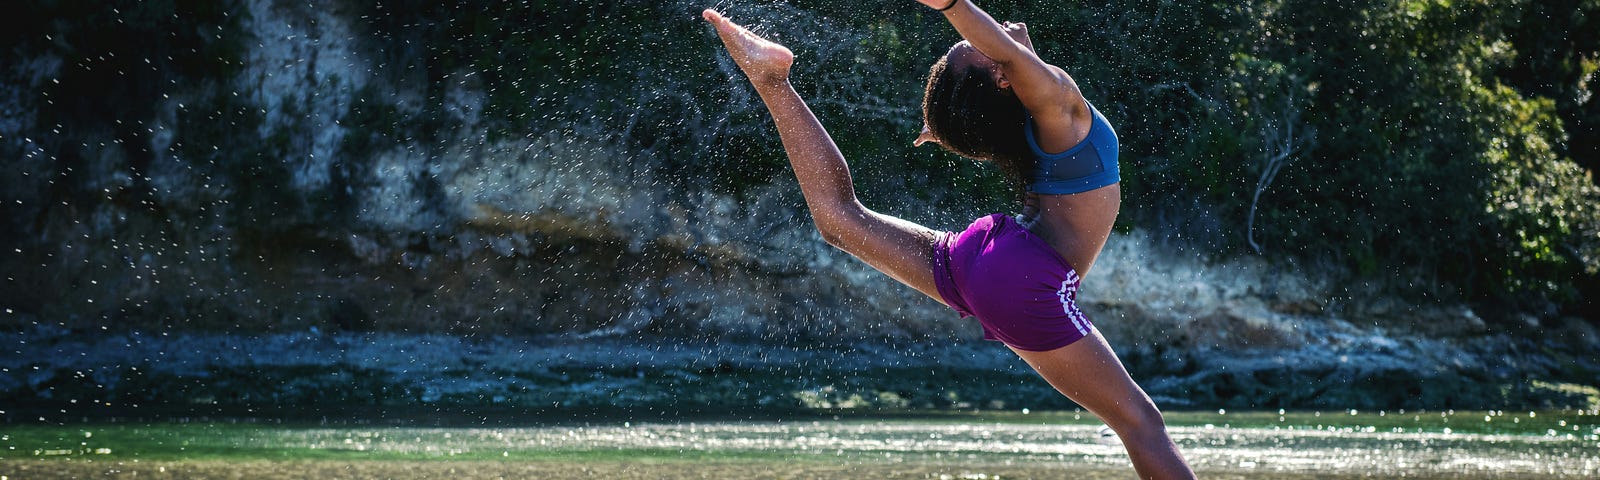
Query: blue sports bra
[[1086, 166]]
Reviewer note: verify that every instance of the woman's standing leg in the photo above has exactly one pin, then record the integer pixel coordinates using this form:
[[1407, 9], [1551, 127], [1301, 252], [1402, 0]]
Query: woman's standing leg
[[1089, 373]]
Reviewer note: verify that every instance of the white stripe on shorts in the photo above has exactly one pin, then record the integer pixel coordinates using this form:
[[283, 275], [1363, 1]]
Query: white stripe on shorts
[[1069, 307]]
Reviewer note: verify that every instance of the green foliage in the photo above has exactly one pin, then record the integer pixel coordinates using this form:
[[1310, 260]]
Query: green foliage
[[1420, 149], [1436, 155], [1556, 58]]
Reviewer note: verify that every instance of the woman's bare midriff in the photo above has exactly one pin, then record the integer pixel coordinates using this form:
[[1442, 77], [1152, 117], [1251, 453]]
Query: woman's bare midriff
[[1077, 225]]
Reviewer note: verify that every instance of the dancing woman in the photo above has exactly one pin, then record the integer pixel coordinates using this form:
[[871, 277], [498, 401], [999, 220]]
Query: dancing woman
[[990, 98]]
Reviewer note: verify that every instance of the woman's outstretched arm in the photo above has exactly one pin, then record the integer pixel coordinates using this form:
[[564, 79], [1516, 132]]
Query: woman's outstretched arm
[[977, 27], [896, 247]]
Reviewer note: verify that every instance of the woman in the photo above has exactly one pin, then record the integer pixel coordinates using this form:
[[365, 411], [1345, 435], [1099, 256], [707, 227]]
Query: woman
[[990, 98]]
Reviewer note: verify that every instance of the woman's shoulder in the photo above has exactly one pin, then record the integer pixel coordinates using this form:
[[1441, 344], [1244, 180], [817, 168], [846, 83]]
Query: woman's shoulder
[[1062, 118], [1058, 97]]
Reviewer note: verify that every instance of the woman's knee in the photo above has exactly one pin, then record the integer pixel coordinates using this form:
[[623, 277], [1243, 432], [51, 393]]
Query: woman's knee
[[1137, 420]]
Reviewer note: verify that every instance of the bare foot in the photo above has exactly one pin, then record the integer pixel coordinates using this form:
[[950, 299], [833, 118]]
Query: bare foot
[[759, 58]]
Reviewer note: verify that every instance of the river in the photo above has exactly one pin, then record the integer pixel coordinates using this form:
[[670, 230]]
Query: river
[[949, 445]]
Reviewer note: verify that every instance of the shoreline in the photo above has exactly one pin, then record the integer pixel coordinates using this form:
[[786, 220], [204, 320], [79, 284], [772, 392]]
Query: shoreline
[[65, 374]]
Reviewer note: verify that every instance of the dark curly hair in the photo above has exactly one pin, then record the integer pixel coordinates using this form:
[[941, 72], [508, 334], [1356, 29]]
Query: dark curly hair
[[972, 116]]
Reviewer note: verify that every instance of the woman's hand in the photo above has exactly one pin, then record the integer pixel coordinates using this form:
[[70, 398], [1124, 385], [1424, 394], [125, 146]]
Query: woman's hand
[[760, 59], [1019, 31], [1030, 210]]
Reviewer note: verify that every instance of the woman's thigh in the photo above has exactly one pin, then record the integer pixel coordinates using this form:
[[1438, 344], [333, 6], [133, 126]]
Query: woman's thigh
[[1088, 372]]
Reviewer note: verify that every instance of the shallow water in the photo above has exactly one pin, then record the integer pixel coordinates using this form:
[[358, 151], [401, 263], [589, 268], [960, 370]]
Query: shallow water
[[954, 445]]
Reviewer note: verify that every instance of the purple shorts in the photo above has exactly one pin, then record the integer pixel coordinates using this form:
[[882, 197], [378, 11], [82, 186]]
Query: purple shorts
[[1023, 293]]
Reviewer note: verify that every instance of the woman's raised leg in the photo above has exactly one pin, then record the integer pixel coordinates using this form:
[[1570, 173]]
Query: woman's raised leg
[[899, 248]]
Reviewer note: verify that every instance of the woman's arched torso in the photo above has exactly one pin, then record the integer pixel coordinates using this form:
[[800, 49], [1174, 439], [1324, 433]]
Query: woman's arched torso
[[1077, 225]]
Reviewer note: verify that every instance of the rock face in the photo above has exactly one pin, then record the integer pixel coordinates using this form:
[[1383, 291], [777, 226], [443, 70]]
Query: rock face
[[326, 180], [273, 168]]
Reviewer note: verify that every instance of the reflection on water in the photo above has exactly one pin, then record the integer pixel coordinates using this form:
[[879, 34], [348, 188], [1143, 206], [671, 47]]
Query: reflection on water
[[1244, 446], [1328, 451]]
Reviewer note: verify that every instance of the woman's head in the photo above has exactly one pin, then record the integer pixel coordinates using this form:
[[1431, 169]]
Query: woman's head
[[969, 108]]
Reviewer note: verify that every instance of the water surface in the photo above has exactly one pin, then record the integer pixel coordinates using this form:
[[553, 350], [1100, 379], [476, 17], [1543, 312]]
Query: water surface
[[944, 445]]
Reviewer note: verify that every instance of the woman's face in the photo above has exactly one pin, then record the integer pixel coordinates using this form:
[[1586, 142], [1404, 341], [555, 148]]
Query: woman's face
[[961, 57]]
